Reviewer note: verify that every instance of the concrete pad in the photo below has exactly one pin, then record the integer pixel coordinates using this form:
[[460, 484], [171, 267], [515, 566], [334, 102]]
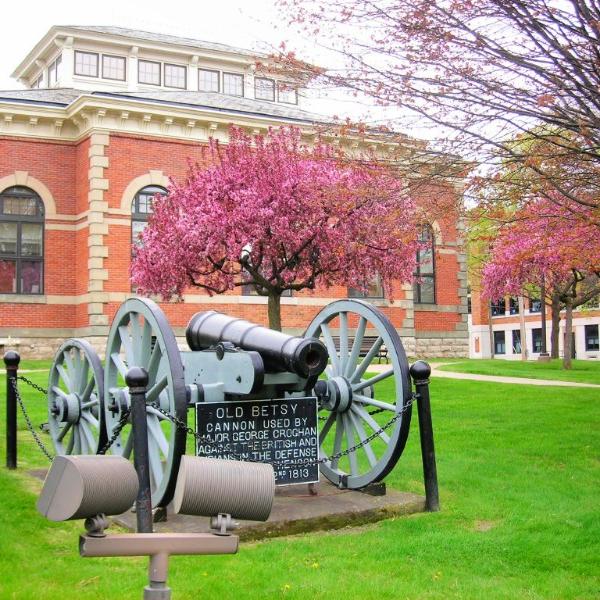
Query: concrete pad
[[297, 511]]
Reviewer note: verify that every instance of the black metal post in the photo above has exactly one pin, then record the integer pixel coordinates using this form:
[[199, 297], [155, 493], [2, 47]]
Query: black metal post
[[11, 360], [420, 373], [137, 380]]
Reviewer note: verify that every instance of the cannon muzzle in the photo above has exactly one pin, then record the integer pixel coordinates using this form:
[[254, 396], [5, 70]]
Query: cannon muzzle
[[306, 357]]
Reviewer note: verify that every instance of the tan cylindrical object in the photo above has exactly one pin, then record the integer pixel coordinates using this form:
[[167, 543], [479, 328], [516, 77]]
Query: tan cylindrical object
[[78, 487], [209, 486]]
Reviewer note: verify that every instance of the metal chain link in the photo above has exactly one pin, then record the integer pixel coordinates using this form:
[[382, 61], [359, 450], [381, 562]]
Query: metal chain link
[[200, 438], [116, 431], [35, 386], [28, 422]]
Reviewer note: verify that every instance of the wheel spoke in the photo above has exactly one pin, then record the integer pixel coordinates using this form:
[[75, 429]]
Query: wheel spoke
[[368, 382], [337, 442], [118, 361], [373, 402], [154, 362], [64, 376], [373, 424], [87, 405], [126, 343], [331, 348], [59, 392], [90, 418], [155, 462], [128, 445], [81, 371], [343, 341], [87, 436], [155, 430], [63, 432], [77, 441], [87, 391], [351, 442], [71, 371], [156, 389], [355, 352], [360, 370], [323, 433], [363, 436], [146, 343], [136, 338], [152, 411]]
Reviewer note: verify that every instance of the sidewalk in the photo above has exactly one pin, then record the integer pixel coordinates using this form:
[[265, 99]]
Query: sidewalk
[[435, 372]]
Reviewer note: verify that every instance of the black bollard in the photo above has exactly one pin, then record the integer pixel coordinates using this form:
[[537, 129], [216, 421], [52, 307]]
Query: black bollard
[[137, 380], [11, 360], [420, 373]]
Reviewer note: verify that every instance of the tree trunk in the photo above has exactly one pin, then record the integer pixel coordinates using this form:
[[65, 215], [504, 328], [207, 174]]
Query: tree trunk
[[568, 331], [554, 333], [275, 311]]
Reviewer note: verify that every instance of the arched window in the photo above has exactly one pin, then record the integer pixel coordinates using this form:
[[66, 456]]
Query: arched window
[[141, 209], [424, 287], [21, 241]]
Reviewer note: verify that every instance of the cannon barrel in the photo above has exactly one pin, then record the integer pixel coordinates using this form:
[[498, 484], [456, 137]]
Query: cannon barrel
[[306, 357]]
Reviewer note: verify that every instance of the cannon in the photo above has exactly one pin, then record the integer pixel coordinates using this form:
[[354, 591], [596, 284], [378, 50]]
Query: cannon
[[231, 360]]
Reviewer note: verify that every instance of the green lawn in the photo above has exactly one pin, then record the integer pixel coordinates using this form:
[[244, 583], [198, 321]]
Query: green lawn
[[519, 476], [583, 371]]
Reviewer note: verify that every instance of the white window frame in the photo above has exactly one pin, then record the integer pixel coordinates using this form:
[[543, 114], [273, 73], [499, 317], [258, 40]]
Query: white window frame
[[241, 76], [84, 52], [291, 89], [256, 88], [217, 73], [176, 66], [121, 58], [153, 62]]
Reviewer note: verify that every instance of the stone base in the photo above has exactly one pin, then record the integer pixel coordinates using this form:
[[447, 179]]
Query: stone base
[[450, 347], [296, 510]]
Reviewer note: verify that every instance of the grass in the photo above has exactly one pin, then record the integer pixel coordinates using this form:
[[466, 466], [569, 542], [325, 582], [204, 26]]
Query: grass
[[518, 469], [583, 371]]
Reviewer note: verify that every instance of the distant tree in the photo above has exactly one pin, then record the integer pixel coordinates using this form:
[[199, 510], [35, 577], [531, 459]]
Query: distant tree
[[277, 215], [487, 70], [552, 244]]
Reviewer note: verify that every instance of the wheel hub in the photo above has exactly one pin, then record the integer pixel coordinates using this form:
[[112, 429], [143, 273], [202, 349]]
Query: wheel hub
[[118, 401], [67, 410], [338, 396]]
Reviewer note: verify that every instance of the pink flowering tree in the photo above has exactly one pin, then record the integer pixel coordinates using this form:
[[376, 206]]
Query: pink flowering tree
[[276, 215], [554, 244]]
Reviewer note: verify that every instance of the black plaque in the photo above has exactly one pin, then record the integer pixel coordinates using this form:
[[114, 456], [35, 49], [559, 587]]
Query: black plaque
[[281, 432]]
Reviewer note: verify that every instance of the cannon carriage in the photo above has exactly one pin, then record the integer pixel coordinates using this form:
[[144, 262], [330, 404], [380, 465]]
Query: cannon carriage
[[232, 360]]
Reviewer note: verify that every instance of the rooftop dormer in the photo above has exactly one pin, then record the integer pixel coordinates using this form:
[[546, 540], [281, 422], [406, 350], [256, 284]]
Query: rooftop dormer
[[99, 58]]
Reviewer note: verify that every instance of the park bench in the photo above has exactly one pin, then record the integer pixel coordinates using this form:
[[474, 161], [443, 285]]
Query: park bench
[[365, 346]]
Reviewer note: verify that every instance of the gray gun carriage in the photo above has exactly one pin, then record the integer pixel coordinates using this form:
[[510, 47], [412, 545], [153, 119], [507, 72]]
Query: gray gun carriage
[[230, 359]]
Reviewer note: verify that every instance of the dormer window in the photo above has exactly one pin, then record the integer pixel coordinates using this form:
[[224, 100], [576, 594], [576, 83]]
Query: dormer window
[[54, 71], [149, 72], [233, 84], [113, 67], [264, 89], [287, 94], [86, 63], [175, 76], [208, 80]]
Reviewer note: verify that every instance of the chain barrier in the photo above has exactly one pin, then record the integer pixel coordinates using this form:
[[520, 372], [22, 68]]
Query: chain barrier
[[116, 431], [35, 386], [28, 422], [205, 440]]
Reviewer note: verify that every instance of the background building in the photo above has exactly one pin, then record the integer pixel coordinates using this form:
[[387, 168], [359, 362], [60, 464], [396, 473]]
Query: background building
[[108, 116]]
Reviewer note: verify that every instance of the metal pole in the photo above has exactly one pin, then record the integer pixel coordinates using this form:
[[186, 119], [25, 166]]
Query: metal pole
[[420, 373], [137, 380], [11, 360]]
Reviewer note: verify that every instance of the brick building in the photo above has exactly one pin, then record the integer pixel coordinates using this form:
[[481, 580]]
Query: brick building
[[106, 117]]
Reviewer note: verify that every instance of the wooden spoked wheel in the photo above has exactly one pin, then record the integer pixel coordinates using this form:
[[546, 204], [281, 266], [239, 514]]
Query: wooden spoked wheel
[[76, 399], [357, 404], [140, 336]]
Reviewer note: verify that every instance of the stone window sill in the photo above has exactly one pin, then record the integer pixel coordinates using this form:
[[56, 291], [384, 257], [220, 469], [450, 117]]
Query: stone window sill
[[23, 298]]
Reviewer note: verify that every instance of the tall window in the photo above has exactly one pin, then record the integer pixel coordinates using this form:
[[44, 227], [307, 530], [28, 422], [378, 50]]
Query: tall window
[[264, 89], [536, 339], [233, 84], [175, 76], [513, 305], [592, 341], [149, 72], [86, 63], [287, 93], [498, 307], [54, 71], [535, 305], [424, 286], [516, 341], [21, 241], [141, 209], [499, 342], [208, 80], [374, 290]]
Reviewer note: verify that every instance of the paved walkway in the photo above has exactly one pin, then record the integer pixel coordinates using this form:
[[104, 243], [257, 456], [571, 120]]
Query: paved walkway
[[435, 372]]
